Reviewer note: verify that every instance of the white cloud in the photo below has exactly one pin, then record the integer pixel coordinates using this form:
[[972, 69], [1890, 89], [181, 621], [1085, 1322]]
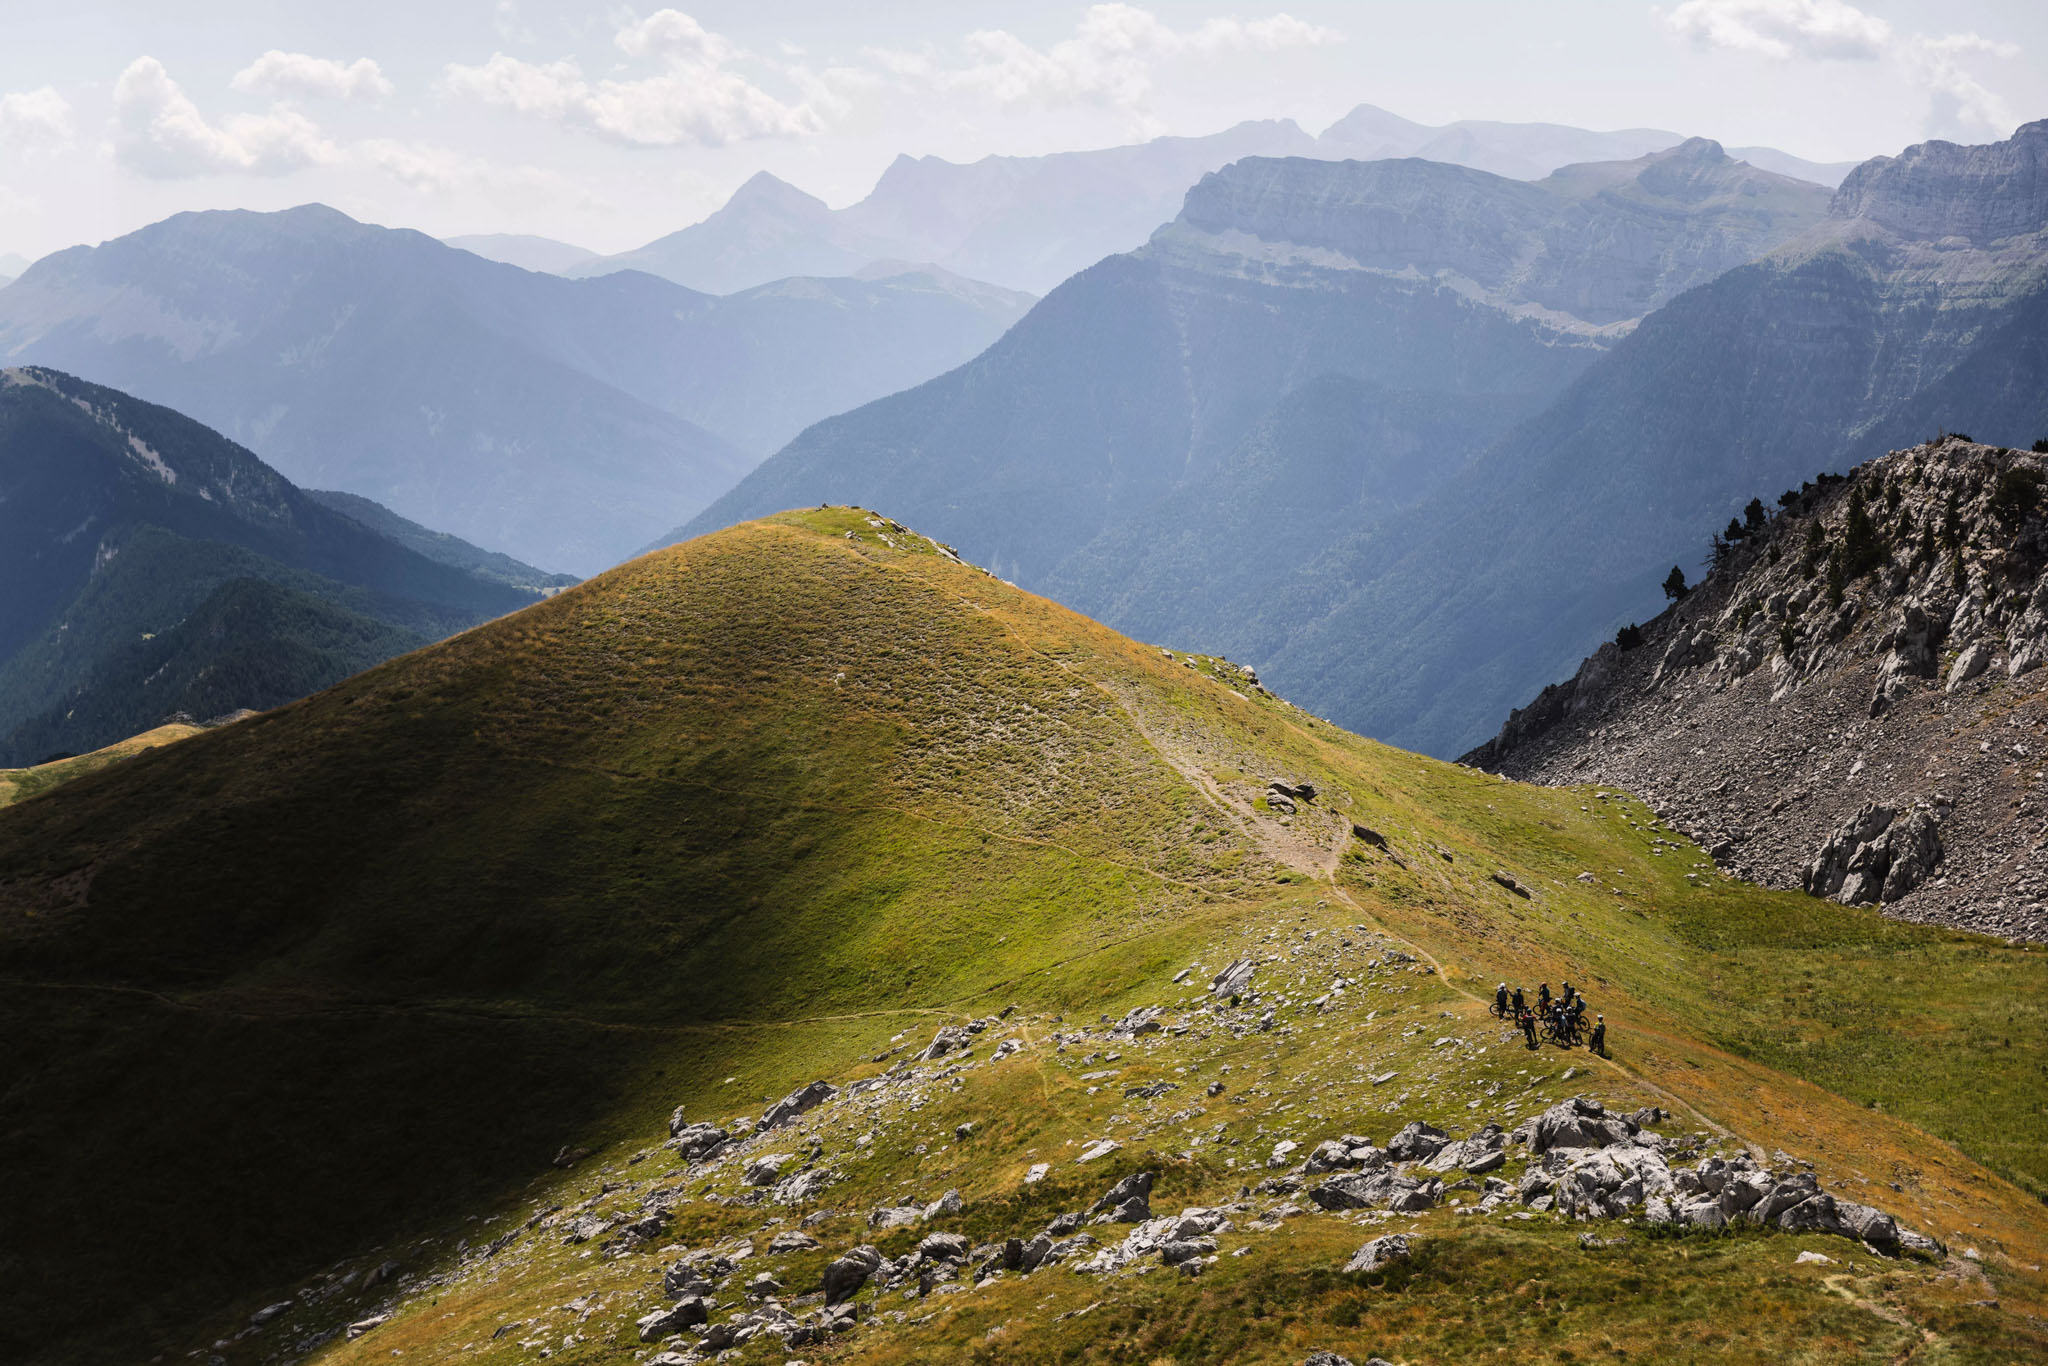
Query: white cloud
[[1959, 103], [33, 118], [1831, 30], [161, 134], [696, 98], [674, 36], [297, 73], [1108, 61], [1784, 29]]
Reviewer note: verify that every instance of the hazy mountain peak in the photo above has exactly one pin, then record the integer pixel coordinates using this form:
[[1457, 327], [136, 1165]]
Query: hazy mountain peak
[[1369, 120], [763, 190], [1982, 193]]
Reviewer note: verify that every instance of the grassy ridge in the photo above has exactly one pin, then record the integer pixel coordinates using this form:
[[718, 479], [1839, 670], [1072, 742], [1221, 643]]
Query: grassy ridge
[[17, 784], [340, 976]]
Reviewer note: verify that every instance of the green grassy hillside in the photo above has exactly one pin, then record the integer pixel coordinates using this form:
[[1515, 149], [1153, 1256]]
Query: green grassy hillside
[[331, 988], [19, 784]]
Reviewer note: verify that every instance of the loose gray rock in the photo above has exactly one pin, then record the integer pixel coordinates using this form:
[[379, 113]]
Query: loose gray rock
[[797, 1102], [699, 1142], [764, 1170], [1417, 1142], [1578, 1123], [943, 1247], [1129, 1200], [1380, 1252], [1235, 979], [674, 1319], [845, 1275]]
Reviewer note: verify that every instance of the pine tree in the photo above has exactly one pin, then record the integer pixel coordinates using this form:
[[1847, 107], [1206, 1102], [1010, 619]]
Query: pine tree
[[1674, 584], [1754, 516]]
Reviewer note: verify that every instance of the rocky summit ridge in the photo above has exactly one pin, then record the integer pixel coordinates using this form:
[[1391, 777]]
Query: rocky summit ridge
[[1853, 702]]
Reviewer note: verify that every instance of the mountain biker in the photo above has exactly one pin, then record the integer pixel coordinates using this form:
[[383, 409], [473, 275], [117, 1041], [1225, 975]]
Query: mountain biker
[[1543, 998], [1500, 999], [1599, 1043], [1520, 1004], [1528, 1023], [1569, 993]]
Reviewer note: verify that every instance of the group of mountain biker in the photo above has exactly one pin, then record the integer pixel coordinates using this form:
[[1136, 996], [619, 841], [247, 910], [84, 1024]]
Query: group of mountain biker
[[1561, 1019]]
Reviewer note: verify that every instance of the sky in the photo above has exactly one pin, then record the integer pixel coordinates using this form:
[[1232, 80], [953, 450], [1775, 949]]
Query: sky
[[608, 125]]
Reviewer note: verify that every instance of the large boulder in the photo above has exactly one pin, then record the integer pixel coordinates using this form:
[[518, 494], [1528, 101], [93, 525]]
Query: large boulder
[[844, 1276], [766, 1169], [1233, 980], [943, 1247], [1417, 1142], [1485, 1151], [674, 1319], [1373, 1190], [1578, 1123], [1129, 1200], [949, 1039], [797, 1102], [1877, 855], [1381, 1252], [698, 1142]]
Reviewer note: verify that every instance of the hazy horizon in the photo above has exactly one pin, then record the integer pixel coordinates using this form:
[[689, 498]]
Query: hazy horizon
[[606, 130]]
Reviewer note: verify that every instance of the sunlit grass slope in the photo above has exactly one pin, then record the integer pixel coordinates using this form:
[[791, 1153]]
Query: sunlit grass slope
[[19, 783], [328, 982]]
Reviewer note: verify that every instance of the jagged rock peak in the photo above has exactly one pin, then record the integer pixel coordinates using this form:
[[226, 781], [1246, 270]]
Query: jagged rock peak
[[1852, 701], [1932, 190]]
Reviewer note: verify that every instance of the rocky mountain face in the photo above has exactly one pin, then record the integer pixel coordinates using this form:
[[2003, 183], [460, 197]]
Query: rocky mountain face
[[1309, 348], [800, 941], [1852, 703], [1845, 343], [1032, 222], [564, 422], [153, 567]]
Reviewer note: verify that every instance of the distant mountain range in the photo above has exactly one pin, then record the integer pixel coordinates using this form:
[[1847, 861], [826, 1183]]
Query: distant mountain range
[[1030, 222], [11, 265], [523, 250], [1390, 431], [154, 567], [1530, 151], [565, 422]]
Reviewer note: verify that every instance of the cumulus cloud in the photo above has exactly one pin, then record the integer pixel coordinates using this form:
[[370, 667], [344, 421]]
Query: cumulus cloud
[[1958, 102], [695, 98], [1784, 29], [161, 134], [298, 73], [1831, 30], [1109, 60], [34, 118]]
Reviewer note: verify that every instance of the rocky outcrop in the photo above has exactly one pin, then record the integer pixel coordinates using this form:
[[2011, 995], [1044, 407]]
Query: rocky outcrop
[[796, 1103], [1380, 1253], [1935, 190], [1876, 856], [1852, 702]]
